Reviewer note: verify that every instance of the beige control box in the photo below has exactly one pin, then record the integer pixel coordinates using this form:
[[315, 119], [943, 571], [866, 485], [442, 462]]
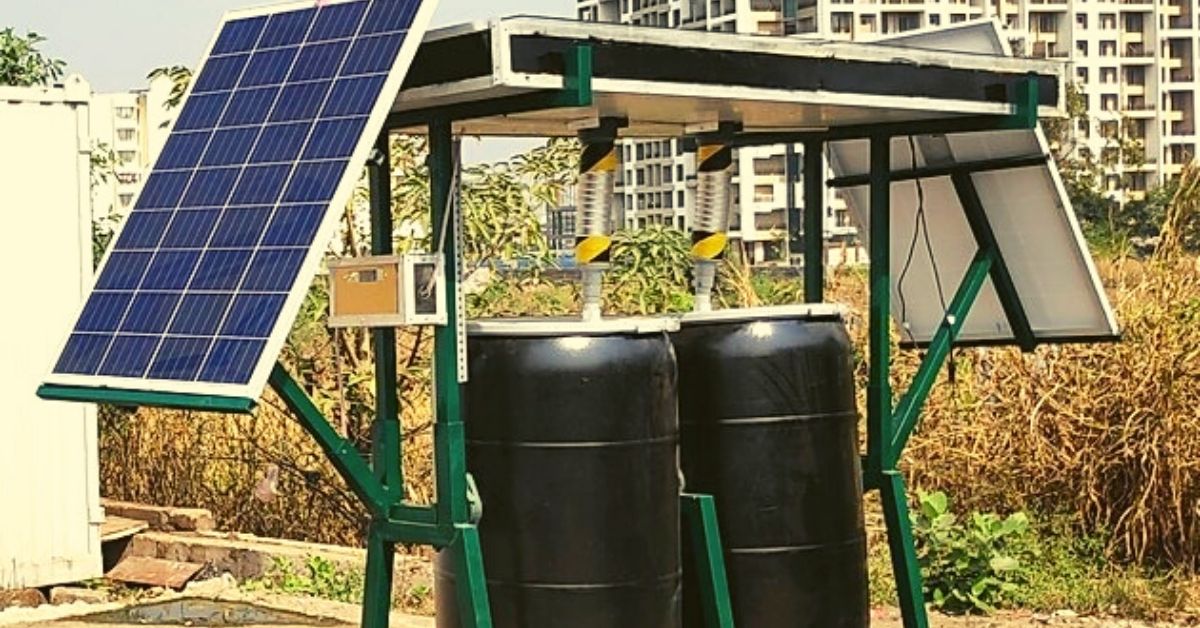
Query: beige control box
[[386, 291]]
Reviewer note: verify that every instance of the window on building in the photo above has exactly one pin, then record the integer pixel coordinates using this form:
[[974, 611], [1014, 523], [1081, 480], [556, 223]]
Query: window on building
[[125, 113], [641, 176], [1081, 74], [641, 151], [935, 20], [764, 194], [1108, 49], [681, 199], [126, 135], [1108, 75], [1108, 102], [840, 23], [126, 156], [958, 17], [867, 22], [1082, 48], [125, 199], [1108, 21], [1081, 20]]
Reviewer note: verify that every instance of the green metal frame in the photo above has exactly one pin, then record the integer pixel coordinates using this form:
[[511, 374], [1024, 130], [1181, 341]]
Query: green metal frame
[[138, 398], [700, 522], [890, 426]]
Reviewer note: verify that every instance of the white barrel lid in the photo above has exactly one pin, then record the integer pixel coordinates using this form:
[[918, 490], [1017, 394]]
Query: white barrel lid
[[548, 327], [806, 311]]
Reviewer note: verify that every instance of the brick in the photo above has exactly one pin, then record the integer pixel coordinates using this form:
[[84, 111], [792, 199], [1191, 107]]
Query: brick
[[191, 519], [27, 598], [70, 595]]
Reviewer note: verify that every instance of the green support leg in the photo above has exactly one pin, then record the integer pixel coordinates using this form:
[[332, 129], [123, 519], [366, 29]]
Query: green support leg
[[814, 221], [377, 595], [700, 516], [473, 605], [879, 387], [386, 458], [905, 567]]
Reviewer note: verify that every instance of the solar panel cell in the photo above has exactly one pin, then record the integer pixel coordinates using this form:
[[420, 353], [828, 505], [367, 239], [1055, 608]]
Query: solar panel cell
[[272, 270], [269, 67], [220, 74], [261, 185], [190, 229], [123, 271], [221, 270], [104, 312], [183, 150], [314, 182], [216, 248], [280, 142], [83, 353], [150, 313], [338, 21], [231, 361], [143, 230], [230, 146], [128, 356], [335, 138], [300, 101], [253, 315], [353, 96], [200, 314], [247, 107], [320, 61], [170, 270], [179, 358], [294, 225], [286, 29], [239, 35], [202, 111], [389, 16], [240, 227], [371, 55]]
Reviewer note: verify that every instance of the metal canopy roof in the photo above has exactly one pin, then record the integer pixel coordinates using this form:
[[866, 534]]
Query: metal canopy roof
[[669, 83]]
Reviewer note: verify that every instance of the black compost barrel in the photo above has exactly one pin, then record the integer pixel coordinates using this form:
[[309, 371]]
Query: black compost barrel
[[572, 437], [769, 427]]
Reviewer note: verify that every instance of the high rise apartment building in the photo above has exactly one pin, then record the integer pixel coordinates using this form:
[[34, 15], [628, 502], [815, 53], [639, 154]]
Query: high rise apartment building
[[1133, 60], [132, 127]]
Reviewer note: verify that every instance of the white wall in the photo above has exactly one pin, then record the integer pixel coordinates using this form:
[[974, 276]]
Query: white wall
[[49, 492]]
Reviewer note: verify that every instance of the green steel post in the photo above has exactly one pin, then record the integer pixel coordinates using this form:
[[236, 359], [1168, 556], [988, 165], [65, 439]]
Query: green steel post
[[879, 388], [700, 515], [341, 453], [450, 457], [473, 594], [908, 411], [377, 594], [814, 221], [386, 457], [905, 567]]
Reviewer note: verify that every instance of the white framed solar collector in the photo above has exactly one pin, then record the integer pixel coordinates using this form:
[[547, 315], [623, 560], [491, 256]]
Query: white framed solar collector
[[199, 290]]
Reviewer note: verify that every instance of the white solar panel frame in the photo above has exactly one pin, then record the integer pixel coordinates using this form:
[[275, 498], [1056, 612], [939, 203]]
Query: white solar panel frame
[[316, 254]]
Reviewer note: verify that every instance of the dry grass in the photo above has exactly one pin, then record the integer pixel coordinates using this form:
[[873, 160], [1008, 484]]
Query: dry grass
[[1109, 433]]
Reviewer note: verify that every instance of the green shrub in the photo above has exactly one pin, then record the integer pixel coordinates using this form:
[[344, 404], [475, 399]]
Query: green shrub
[[971, 565]]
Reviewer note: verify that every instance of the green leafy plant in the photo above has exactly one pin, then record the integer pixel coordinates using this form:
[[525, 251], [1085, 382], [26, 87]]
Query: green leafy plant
[[317, 577], [22, 64], [971, 565]]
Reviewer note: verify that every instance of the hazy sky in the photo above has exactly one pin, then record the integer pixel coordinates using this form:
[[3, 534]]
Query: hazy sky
[[115, 43]]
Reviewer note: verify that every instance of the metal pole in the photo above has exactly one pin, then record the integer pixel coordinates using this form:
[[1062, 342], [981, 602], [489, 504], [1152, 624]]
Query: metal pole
[[795, 230], [385, 442], [814, 221], [879, 389]]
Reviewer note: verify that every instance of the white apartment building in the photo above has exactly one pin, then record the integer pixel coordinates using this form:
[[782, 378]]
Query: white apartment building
[[132, 127], [653, 187], [1134, 61]]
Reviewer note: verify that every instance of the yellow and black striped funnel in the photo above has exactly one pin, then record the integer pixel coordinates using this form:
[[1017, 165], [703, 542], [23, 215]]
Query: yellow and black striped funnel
[[711, 215], [597, 175]]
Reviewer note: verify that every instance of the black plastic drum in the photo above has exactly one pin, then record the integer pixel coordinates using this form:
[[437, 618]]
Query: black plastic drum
[[769, 428], [572, 437]]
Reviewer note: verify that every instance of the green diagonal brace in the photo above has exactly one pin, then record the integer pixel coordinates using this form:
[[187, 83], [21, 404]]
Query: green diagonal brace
[[1002, 279], [700, 517], [342, 454], [909, 409]]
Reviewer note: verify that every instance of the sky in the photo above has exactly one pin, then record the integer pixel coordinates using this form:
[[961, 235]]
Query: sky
[[115, 43]]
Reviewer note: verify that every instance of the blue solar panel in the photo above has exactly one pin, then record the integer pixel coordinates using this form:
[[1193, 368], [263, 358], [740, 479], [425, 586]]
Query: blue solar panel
[[200, 276]]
